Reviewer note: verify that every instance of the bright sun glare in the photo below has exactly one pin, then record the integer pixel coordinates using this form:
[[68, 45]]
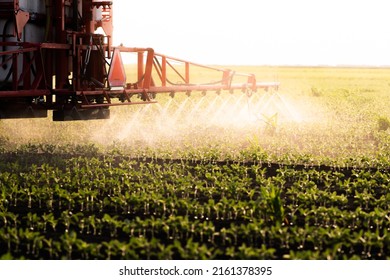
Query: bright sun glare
[[258, 32]]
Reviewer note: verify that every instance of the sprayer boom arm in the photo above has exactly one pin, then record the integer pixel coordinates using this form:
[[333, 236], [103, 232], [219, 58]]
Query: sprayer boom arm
[[53, 59]]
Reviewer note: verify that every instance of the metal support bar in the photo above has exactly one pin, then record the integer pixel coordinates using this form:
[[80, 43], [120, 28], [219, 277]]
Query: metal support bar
[[140, 68], [187, 72], [164, 71], [116, 104], [148, 69]]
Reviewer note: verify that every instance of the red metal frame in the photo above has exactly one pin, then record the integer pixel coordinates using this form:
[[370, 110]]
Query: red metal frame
[[74, 68]]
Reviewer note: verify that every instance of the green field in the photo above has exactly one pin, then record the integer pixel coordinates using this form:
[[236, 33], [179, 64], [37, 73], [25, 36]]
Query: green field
[[220, 176]]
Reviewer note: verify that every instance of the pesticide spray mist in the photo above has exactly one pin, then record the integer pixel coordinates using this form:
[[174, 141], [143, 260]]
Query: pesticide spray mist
[[188, 121], [201, 120]]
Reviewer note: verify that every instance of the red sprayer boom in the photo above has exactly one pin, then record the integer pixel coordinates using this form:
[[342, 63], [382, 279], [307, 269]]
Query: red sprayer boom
[[52, 58]]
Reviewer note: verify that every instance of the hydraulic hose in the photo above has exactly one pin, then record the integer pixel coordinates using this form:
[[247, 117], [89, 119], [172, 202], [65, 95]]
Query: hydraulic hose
[[4, 36], [157, 63]]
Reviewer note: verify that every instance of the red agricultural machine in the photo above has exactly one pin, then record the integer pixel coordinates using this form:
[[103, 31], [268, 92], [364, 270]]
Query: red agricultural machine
[[53, 58]]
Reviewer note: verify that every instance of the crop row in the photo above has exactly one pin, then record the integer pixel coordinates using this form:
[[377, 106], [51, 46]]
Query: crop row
[[93, 208]]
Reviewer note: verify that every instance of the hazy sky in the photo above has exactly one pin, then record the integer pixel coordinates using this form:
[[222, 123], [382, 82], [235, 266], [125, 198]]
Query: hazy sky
[[305, 32]]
